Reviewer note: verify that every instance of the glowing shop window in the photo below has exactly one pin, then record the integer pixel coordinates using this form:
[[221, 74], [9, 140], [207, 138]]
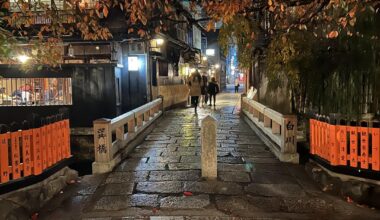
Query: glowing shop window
[[35, 91]]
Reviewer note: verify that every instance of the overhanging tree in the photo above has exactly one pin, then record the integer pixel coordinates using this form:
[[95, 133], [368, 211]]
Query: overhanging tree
[[146, 17]]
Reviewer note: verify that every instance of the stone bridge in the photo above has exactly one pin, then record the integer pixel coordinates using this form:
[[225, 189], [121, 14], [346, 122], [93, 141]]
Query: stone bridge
[[162, 177]]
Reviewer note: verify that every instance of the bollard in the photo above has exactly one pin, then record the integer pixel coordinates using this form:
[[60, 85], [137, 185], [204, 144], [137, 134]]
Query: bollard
[[208, 143]]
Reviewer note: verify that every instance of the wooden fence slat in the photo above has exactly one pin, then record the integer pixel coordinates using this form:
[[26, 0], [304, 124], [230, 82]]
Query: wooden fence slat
[[326, 144], [323, 140], [62, 138], [353, 146], [58, 137], [4, 155], [364, 147], [36, 151], [15, 154], [317, 137], [334, 145], [375, 149], [67, 138], [53, 143], [342, 139], [312, 136], [43, 148], [26, 152], [48, 145]]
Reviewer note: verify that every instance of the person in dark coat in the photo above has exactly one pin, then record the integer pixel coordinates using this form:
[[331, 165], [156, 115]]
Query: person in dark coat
[[204, 96], [213, 89]]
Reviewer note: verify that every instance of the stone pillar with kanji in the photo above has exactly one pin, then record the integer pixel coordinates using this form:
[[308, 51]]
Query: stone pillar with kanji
[[103, 145]]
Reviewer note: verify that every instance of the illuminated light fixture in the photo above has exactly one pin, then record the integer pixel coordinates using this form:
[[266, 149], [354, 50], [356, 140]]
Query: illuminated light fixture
[[159, 41], [204, 58], [210, 52], [97, 48], [133, 63], [70, 51], [217, 66], [23, 58], [213, 71]]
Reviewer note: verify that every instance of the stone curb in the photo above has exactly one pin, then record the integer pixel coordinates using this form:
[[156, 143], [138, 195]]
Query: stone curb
[[22, 203], [351, 190]]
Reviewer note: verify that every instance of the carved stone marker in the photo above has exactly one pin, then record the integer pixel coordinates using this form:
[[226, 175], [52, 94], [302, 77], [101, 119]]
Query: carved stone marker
[[209, 154]]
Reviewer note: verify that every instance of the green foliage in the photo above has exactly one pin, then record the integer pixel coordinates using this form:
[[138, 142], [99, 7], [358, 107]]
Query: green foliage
[[338, 75], [239, 31]]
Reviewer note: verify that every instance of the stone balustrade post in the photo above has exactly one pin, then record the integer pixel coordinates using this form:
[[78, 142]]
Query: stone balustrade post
[[276, 128], [139, 119], [131, 126], [289, 133], [146, 116], [152, 111], [162, 103], [267, 121], [120, 133], [103, 145], [255, 113], [209, 152]]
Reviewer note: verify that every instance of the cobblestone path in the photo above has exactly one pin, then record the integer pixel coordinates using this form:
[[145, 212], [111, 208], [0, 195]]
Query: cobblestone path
[[251, 182]]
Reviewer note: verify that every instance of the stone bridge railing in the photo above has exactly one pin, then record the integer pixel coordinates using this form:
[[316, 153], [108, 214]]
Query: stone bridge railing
[[280, 131], [111, 149]]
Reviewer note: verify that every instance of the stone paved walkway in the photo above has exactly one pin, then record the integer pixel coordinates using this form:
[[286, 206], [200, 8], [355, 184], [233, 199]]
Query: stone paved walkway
[[251, 182]]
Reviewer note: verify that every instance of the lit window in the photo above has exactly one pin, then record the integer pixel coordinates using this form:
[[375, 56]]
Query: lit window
[[35, 91], [210, 52], [133, 63]]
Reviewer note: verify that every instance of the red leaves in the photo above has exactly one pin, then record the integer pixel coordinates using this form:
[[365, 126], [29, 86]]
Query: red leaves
[[5, 5], [187, 193], [105, 11], [157, 29], [353, 11], [141, 32], [349, 200], [333, 34], [253, 37], [34, 216]]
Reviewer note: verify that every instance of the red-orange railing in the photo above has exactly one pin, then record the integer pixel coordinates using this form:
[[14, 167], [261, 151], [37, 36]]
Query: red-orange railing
[[30, 152], [346, 145]]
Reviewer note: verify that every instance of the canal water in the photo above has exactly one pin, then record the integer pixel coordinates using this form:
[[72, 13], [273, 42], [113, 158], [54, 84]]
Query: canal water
[[84, 167]]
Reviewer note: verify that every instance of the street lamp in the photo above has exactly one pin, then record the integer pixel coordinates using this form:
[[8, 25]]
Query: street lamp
[[23, 58], [159, 41]]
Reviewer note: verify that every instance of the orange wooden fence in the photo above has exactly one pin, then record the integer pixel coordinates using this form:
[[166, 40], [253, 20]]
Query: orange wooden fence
[[30, 152], [346, 145]]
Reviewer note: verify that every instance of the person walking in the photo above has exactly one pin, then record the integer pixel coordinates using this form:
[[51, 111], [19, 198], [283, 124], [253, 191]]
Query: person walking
[[194, 84], [204, 97], [213, 89], [237, 85]]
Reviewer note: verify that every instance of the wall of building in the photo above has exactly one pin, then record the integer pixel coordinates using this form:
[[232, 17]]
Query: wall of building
[[174, 95], [278, 100]]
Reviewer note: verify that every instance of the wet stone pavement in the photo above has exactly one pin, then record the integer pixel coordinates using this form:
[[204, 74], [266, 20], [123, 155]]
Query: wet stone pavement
[[162, 177]]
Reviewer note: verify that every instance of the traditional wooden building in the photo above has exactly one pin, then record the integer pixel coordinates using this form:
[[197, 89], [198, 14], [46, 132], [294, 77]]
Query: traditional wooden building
[[103, 79]]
